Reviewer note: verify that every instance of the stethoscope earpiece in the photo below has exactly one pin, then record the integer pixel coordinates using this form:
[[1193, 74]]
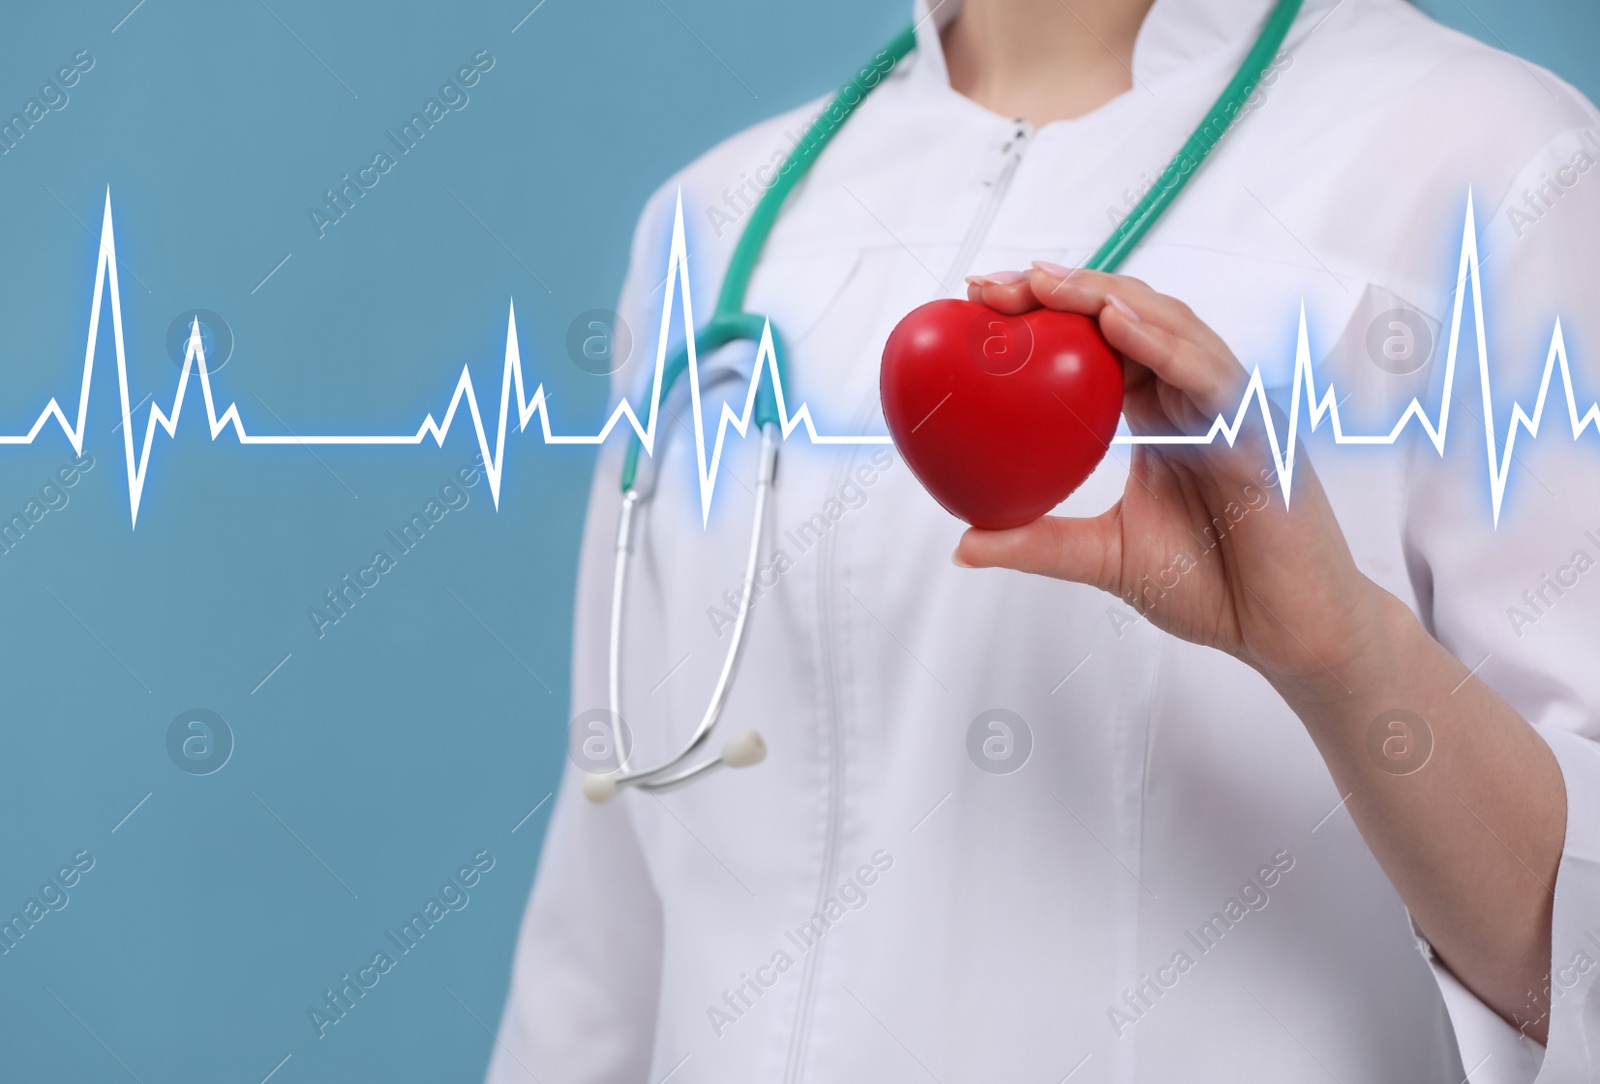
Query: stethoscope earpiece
[[600, 789], [743, 750]]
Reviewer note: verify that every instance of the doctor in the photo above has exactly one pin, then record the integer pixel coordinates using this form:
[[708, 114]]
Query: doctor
[[1178, 783]]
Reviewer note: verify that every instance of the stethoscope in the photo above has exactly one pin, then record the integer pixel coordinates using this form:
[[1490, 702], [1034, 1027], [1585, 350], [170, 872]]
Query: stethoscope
[[729, 323]]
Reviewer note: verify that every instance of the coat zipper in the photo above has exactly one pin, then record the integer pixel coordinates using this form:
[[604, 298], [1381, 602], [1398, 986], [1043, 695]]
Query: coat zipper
[[799, 1039], [996, 182]]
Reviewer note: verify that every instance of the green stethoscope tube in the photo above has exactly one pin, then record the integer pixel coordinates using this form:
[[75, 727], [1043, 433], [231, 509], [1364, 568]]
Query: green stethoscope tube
[[730, 323], [1131, 230]]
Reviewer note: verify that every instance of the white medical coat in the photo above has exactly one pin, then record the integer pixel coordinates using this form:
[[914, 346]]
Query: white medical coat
[[1167, 887]]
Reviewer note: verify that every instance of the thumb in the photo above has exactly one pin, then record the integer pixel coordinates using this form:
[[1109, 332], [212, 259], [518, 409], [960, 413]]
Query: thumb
[[1081, 550]]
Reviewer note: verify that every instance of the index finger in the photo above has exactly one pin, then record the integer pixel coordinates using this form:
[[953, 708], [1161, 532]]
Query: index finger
[[1004, 291], [1088, 293]]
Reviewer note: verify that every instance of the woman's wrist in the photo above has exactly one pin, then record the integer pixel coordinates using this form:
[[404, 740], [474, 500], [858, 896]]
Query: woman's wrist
[[1371, 658]]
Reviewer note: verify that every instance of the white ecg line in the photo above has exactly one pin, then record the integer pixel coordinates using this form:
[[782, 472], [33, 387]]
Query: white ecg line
[[1304, 384], [511, 380]]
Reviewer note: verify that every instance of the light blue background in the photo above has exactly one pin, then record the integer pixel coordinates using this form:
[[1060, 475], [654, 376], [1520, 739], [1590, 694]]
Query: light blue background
[[427, 724]]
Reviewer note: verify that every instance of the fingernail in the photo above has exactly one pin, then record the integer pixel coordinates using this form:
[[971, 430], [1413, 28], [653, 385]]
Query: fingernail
[[977, 280], [1122, 307], [1001, 278], [955, 558], [1059, 270]]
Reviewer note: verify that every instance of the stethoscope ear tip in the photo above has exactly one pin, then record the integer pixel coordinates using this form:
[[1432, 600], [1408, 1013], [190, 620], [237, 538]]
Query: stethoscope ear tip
[[744, 749], [600, 789]]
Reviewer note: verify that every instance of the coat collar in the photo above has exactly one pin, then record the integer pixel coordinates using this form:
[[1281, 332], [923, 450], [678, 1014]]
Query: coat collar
[[1176, 33]]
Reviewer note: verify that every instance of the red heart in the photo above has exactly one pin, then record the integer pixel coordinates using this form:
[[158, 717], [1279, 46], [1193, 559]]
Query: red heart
[[999, 417]]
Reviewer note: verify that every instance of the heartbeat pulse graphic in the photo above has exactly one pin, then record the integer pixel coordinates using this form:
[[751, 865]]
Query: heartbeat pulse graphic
[[194, 360], [1304, 386], [511, 380]]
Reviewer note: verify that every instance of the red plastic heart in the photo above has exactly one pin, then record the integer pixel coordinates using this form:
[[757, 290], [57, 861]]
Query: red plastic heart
[[999, 417]]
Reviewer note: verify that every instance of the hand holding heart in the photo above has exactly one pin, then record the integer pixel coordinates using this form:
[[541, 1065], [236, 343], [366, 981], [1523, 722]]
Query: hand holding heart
[[1199, 544], [1203, 545]]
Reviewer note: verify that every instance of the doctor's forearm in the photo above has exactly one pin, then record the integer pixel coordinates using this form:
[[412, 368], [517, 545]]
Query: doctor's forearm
[[1465, 812]]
